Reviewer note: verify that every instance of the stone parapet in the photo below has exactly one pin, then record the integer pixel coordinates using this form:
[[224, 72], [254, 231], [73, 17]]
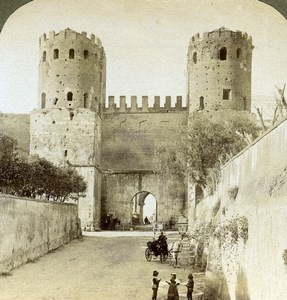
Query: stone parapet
[[69, 34], [145, 107]]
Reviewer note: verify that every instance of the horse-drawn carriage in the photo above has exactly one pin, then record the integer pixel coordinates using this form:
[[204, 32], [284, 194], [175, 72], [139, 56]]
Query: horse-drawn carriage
[[156, 249], [164, 252]]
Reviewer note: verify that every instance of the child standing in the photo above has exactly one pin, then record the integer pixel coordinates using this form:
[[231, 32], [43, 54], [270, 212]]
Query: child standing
[[155, 284], [172, 293], [190, 286]]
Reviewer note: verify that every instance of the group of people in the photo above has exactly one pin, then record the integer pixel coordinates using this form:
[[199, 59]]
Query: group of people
[[110, 222], [172, 293]]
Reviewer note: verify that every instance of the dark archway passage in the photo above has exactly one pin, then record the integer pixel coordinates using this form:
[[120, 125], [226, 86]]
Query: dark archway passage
[[143, 208]]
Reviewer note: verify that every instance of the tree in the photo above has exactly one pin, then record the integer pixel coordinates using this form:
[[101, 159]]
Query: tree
[[8, 161], [211, 139], [280, 110], [31, 176], [52, 182]]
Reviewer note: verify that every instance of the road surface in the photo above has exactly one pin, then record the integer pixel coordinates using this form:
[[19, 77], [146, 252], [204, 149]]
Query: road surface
[[94, 267]]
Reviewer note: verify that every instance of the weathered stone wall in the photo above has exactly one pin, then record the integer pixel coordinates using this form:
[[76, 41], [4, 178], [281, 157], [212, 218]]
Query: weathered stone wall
[[217, 61], [121, 188], [254, 269], [67, 125], [131, 138], [63, 134], [73, 135], [31, 228], [90, 204], [70, 62], [17, 126]]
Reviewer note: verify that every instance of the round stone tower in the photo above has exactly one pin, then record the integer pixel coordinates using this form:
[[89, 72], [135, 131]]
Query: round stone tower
[[66, 128], [219, 71], [71, 71]]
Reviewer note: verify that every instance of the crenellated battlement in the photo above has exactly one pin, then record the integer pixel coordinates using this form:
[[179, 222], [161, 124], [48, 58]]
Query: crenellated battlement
[[145, 107], [219, 34], [69, 34]]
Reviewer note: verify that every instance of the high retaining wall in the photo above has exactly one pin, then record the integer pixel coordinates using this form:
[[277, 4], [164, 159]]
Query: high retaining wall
[[254, 269], [31, 228]]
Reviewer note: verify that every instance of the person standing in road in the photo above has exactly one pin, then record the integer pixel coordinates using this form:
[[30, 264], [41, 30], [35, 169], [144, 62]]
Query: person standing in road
[[172, 293], [190, 286], [155, 284]]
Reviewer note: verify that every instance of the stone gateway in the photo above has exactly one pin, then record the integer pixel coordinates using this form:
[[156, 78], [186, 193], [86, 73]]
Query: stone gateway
[[113, 147]]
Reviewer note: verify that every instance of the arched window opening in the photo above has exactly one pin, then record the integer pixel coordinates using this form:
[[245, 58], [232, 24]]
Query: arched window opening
[[194, 57], [201, 103], [223, 53], [86, 98], [65, 153], [71, 53], [56, 53], [239, 53], [43, 100], [86, 54], [70, 96], [44, 56], [96, 57]]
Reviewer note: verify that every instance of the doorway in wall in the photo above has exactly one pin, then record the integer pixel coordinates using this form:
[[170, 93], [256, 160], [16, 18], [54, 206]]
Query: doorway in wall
[[143, 208]]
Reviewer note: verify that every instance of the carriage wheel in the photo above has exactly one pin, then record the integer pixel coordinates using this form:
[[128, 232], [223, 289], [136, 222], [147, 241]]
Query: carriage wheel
[[148, 255]]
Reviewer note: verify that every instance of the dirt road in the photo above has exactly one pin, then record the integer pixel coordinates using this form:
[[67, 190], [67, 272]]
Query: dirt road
[[94, 267]]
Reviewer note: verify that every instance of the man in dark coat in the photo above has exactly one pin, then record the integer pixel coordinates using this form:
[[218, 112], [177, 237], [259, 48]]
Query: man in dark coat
[[163, 243]]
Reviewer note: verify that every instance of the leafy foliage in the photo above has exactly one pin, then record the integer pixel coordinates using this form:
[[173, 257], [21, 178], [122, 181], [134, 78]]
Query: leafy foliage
[[33, 176], [211, 139], [236, 228]]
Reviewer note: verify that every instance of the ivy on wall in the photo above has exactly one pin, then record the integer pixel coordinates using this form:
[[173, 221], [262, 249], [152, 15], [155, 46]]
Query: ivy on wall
[[236, 228]]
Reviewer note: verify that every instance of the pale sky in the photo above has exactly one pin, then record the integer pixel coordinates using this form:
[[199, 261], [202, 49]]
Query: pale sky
[[145, 41]]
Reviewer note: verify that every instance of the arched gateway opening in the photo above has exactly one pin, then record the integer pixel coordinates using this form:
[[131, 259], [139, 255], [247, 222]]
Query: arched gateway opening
[[143, 209]]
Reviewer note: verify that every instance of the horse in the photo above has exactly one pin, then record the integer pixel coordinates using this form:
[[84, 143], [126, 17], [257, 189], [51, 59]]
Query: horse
[[173, 249]]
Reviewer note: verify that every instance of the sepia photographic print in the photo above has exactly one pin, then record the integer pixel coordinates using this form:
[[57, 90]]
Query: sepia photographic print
[[142, 149]]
